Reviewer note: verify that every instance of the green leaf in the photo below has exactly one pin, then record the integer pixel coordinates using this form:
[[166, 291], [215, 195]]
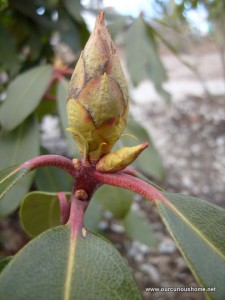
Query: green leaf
[[93, 215], [138, 229], [16, 147], [74, 9], [149, 161], [8, 177], [117, 24], [198, 228], [54, 266], [52, 179], [8, 55], [39, 211], [4, 261], [70, 33], [116, 200], [23, 96], [62, 93], [143, 60]]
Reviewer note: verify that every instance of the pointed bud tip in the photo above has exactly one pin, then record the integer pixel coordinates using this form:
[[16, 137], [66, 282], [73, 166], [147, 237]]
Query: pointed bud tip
[[144, 145], [120, 159], [100, 21]]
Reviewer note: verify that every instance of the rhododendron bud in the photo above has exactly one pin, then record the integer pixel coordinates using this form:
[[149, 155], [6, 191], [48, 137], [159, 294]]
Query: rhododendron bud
[[97, 103], [119, 160]]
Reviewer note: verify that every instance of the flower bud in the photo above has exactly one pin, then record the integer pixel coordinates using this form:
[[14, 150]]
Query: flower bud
[[119, 160], [97, 103]]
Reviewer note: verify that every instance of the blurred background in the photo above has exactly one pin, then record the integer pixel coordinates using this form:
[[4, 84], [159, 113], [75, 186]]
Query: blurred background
[[173, 55]]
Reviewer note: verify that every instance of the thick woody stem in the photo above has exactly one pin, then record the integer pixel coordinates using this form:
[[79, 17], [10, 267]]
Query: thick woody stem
[[132, 183], [50, 161]]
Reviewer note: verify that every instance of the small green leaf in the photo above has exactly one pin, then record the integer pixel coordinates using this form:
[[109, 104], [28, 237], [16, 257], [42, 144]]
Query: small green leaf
[[16, 147], [4, 261], [198, 228], [8, 56], [23, 96], [62, 92], [117, 24], [138, 229], [39, 211], [149, 161], [54, 266], [52, 179], [143, 60], [9, 177], [116, 200], [74, 9], [93, 215]]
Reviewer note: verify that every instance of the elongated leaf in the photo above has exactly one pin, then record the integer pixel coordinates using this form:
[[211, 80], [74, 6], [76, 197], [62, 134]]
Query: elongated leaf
[[149, 161], [115, 200], [23, 96], [16, 147], [93, 215], [138, 229], [52, 179], [4, 261], [70, 33], [143, 60], [8, 55], [9, 177], [73, 8], [198, 227], [62, 92], [39, 211], [54, 266]]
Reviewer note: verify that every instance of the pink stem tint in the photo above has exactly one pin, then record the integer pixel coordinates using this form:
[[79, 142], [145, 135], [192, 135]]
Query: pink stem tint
[[132, 183], [50, 161], [76, 219], [64, 207]]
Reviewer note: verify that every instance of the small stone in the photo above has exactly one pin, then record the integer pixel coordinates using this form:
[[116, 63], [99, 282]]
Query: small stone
[[151, 271], [108, 215], [167, 246], [103, 225], [139, 257], [117, 228]]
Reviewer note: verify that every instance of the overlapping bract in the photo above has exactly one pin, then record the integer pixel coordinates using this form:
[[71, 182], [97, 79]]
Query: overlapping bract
[[97, 103]]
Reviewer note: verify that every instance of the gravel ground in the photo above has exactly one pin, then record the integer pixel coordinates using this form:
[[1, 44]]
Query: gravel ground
[[190, 136]]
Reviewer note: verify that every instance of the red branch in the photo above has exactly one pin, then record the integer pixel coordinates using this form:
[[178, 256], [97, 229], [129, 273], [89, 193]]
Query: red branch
[[76, 219], [50, 160], [131, 183], [64, 207]]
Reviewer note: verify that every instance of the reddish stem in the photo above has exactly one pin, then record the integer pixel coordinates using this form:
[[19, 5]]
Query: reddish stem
[[49, 97], [76, 219], [130, 171], [51, 161], [64, 207], [66, 71], [131, 183]]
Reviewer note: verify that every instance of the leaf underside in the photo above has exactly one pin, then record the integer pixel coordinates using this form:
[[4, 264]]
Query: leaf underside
[[198, 228], [54, 266]]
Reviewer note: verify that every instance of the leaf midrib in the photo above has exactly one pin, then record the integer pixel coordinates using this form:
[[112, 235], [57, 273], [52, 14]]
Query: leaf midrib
[[17, 103], [195, 229]]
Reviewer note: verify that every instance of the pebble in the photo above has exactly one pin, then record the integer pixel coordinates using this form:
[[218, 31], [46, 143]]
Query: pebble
[[103, 225], [151, 271], [190, 136], [167, 246], [117, 228]]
